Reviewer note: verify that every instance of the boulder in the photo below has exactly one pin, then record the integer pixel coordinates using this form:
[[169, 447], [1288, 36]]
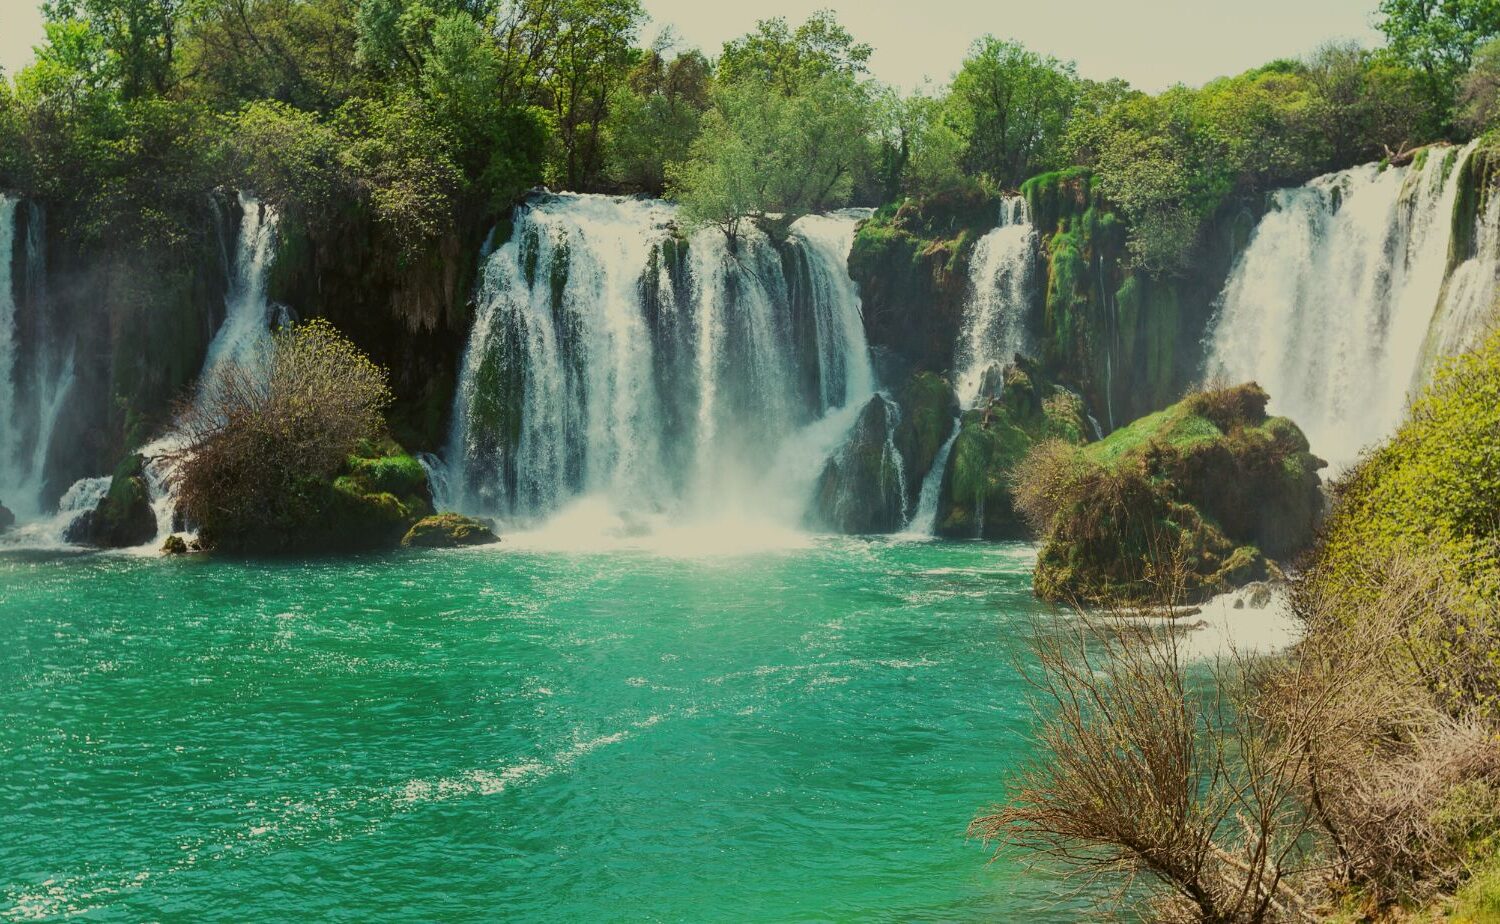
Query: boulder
[[861, 489], [928, 408], [975, 499], [1181, 505], [175, 545], [123, 518], [7, 519], [448, 530]]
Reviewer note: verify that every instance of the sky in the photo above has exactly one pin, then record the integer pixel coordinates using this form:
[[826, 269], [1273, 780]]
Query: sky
[[1151, 43]]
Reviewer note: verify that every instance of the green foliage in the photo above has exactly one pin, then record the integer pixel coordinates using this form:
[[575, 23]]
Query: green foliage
[[1011, 106], [1434, 487], [654, 118], [778, 139], [1437, 39], [1180, 505]]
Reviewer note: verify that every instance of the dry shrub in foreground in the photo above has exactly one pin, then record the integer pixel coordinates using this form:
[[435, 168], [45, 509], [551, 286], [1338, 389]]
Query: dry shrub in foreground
[[1259, 789], [260, 441]]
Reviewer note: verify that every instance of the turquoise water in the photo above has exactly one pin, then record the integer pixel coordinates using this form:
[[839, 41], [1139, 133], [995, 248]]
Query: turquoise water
[[509, 734]]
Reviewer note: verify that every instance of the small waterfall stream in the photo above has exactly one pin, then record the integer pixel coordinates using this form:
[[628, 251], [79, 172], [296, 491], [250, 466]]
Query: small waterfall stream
[[1000, 290], [617, 361], [243, 339], [1330, 304]]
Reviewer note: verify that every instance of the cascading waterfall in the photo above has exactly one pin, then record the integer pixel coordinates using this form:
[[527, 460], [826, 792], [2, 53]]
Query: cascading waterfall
[[613, 358], [1467, 306], [1330, 303], [924, 519], [243, 339], [1000, 290], [36, 373], [10, 453]]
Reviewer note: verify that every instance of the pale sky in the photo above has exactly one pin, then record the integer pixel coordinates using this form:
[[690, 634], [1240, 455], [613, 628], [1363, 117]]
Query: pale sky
[[1151, 43]]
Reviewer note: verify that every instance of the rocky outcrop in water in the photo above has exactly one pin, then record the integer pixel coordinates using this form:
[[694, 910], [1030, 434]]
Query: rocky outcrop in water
[[7, 519], [1179, 506], [448, 531], [975, 502], [862, 488], [911, 265], [124, 518]]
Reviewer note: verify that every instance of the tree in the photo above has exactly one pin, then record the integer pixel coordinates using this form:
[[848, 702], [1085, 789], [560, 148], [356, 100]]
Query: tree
[[1011, 106], [788, 130], [789, 60], [1439, 38], [654, 118], [1479, 93], [261, 441], [593, 51], [141, 36]]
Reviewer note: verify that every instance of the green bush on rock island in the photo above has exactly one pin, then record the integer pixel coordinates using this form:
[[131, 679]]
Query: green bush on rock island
[[1180, 505]]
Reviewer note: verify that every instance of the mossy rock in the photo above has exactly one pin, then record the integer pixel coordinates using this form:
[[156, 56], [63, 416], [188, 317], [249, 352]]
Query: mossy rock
[[174, 545], [124, 518], [975, 499], [861, 489], [7, 519], [446, 531], [370, 504], [1181, 505], [928, 408]]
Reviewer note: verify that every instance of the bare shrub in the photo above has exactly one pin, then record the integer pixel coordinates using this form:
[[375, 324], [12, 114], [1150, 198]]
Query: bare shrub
[[1263, 789], [258, 438], [1149, 778], [1043, 482]]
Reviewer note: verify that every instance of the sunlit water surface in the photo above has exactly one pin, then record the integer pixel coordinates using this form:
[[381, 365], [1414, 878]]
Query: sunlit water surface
[[515, 733]]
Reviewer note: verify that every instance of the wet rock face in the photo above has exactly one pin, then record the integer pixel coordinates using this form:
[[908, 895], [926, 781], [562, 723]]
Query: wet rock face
[[1179, 506], [862, 489], [975, 502], [124, 518], [448, 530], [7, 519]]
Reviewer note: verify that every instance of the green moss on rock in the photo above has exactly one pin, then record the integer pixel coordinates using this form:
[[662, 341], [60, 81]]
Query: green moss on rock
[[975, 499], [1180, 505], [448, 530], [123, 518]]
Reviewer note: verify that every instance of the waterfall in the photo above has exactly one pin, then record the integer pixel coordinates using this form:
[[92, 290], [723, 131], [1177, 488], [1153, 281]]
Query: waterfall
[[1330, 303], [1467, 306], [615, 358], [1000, 291], [243, 339], [924, 519], [36, 371], [10, 431]]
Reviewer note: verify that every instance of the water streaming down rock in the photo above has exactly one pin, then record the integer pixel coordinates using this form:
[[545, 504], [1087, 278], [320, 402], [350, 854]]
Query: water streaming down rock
[[36, 369], [1330, 303], [615, 357], [1000, 291], [1467, 308], [243, 339], [924, 518]]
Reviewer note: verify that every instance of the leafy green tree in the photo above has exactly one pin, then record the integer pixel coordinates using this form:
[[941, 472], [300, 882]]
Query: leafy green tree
[[772, 157], [1479, 93], [140, 36], [301, 52], [789, 129], [654, 118], [594, 47], [1011, 107], [1438, 38], [789, 60]]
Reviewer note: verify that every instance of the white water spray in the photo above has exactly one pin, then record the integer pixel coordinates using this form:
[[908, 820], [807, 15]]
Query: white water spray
[[1000, 290], [1330, 303], [613, 359]]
